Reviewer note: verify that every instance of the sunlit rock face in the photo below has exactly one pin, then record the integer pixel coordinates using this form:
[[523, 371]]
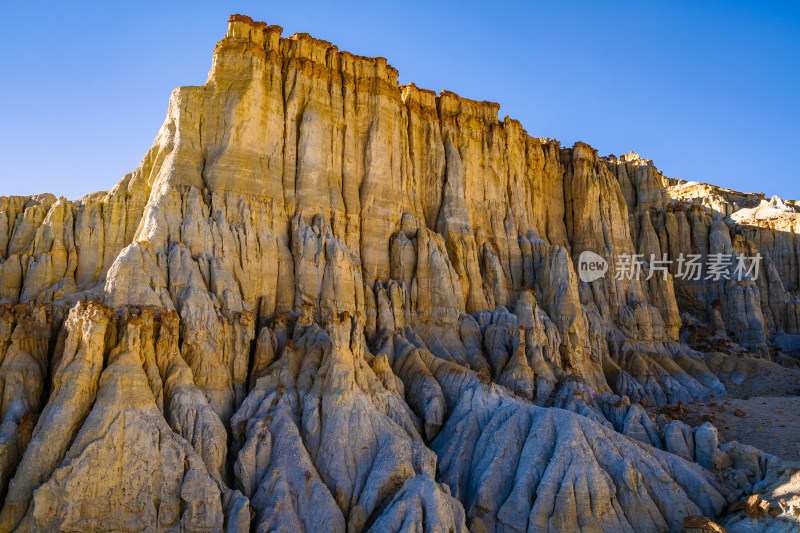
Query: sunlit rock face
[[327, 302]]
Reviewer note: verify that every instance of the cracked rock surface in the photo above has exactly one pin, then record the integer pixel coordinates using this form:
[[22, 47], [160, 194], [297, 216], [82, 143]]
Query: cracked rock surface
[[327, 302]]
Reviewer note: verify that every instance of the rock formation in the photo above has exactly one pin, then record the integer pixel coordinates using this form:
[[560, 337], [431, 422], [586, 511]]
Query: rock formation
[[327, 302]]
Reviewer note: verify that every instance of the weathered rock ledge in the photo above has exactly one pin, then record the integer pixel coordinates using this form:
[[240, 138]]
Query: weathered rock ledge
[[328, 302]]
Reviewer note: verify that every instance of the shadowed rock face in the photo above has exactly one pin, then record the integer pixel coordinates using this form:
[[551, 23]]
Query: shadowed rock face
[[325, 302]]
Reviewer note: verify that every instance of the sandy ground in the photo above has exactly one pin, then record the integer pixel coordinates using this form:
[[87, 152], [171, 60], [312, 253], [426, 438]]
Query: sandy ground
[[763, 410], [769, 423]]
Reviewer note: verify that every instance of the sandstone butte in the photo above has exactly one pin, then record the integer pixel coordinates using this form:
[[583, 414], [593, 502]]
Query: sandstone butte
[[327, 302]]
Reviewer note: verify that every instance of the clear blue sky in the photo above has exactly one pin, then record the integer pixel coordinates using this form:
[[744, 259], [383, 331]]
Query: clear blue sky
[[709, 90]]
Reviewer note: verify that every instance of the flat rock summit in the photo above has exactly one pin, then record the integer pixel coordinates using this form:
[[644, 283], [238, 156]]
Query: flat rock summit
[[328, 302]]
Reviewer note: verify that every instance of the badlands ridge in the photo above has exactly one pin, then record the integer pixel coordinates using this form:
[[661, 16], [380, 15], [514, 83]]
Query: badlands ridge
[[327, 302]]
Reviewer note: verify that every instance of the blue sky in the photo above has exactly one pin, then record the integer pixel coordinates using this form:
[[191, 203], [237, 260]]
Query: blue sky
[[709, 90]]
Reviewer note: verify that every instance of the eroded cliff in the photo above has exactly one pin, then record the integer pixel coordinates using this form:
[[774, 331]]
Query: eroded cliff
[[327, 302]]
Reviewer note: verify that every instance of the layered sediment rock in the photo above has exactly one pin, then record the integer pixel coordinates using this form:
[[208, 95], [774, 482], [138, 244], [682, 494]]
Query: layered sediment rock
[[328, 302]]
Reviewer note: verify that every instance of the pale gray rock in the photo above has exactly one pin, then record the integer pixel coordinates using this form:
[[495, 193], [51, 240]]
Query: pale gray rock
[[679, 439], [327, 302]]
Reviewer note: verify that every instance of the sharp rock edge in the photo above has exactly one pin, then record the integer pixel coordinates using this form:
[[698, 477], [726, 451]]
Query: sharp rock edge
[[326, 302]]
